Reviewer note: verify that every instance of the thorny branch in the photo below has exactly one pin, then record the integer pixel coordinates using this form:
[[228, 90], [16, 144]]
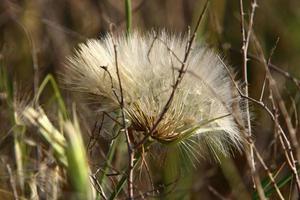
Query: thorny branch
[[282, 136], [128, 138], [284, 141], [278, 70], [277, 96], [245, 45], [268, 172], [274, 68]]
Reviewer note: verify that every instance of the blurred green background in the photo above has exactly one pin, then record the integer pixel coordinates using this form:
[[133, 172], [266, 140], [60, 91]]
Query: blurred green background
[[42, 33]]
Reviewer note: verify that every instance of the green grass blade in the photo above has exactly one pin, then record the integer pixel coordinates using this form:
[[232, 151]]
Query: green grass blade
[[49, 78], [128, 13], [109, 157], [78, 169], [268, 187]]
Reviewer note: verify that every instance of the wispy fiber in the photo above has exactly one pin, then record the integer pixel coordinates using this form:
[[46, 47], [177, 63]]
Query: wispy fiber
[[148, 63]]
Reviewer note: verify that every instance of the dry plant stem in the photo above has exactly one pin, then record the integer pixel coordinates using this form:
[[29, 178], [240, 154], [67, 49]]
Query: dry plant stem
[[265, 78], [128, 140], [288, 152], [12, 182], [291, 129], [281, 104], [268, 172], [263, 89], [282, 107], [282, 136], [245, 46], [151, 46], [285, 143], [275, 68], [286, 74], [180, 76], [255, 176], [278, 70], [283, 139], [295, 113]]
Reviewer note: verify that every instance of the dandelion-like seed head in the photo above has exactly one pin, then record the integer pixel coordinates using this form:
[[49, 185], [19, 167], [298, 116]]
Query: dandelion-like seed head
[[149, 64]]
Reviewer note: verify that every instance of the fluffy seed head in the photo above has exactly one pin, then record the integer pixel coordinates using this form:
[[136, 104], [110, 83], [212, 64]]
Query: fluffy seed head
[[149, 65]]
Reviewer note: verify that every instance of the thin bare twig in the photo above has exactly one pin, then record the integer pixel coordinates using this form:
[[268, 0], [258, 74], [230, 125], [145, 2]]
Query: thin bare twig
[[274, 68], [98, 187], [285, 142], [294, 110], [245, 45], [95, 135], [282, 136], [105, 68], [265, 77], [262, 162], [151, 46], [282, 107], [285, 73], [171, 51], [127, 132]]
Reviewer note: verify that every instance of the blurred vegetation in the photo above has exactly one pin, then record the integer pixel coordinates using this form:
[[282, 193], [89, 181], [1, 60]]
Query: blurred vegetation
[[35, 38]]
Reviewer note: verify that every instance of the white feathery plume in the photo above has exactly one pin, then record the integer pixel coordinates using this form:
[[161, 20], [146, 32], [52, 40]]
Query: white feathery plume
[[149, 64]]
